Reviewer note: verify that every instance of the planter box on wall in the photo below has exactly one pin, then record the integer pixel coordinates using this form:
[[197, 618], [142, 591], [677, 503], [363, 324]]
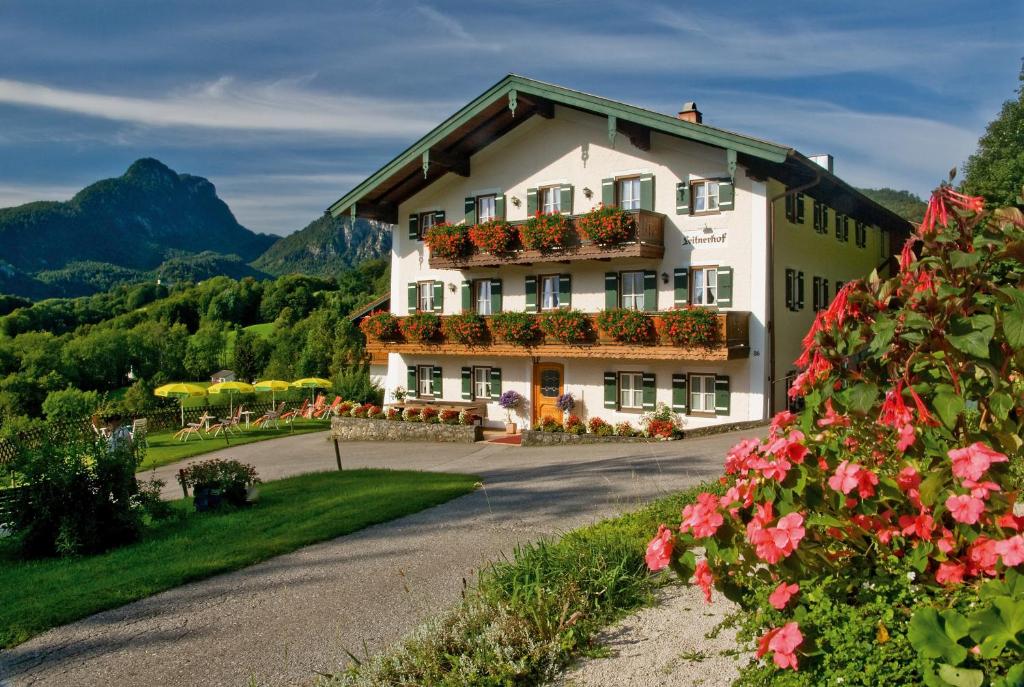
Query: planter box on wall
[[359, 429]]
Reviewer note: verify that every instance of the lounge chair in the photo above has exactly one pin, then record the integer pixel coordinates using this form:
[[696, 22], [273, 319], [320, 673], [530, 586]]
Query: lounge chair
[[292, 414], [271, 415], [140, 430], [312, 411], [328, 410], [228, 424], [189, 430]]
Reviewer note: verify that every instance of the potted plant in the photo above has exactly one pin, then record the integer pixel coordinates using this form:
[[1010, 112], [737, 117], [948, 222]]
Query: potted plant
[[467, 328], [566, 326], [607, 225], [217, 482], [565, 403], [690, 326], [446, 240], [511, 401], [626, 326], [382, 326], [545, 232], [518, 328], [421, 327], [495, 237]]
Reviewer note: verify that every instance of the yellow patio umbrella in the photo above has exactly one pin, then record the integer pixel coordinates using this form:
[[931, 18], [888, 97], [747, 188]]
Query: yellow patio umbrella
[[312, 383], [273, 386], [180, 391], [231, 388]]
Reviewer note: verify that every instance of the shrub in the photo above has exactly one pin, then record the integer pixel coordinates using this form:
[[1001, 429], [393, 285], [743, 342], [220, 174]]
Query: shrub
[[574, 425], [394, 414], [465, 328], [690, 326], [607, 225], [624, 429], [511, 401], [519, 328], [496, 236], [229, 479], [662, 423], [70, 404], [382, 326], [449, 416], [626, 325], [550, 424], [468, 418], [429, 415], [566, 326], [421, 327], [356, 385], [599, 427], [545, 232], [411, 415], [446, 240]]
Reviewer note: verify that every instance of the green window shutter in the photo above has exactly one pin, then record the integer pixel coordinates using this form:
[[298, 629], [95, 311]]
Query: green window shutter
[[565, 198], [467, 384], [531, 293], [438, 216], [611, 290], [495, 383], [411, 387], [648, 390], [531, 202], [564, 291], [414, 227], [683, 198], [470, 205], [725, 287], [800, 205], [839, 227], [726, 195], [438, 296], [846, 229], [495, 296], [790, 300], [650, 290], [414, 293], [816, 211], [647, 192], [681, 286], [499, 206], [722, 395], [679, 394], [799, 290], [611, 390], [608, 192], [467, 295], [436, 388], [816, 288], [824, 219], [790, 209], [824, 293]]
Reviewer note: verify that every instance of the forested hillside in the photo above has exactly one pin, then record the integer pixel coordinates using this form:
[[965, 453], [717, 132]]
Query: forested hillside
[[903, 203], [326, 246]]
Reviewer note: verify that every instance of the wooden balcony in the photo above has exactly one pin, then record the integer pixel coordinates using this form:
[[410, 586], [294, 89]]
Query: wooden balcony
[[647, 242], [733, 343]]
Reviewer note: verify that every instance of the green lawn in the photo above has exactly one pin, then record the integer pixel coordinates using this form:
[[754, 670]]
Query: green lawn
[[164, 448], [264, 329], [291, 513]]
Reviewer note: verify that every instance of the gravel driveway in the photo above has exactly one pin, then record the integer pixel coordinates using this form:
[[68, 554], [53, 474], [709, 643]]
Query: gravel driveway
[[283, 620]]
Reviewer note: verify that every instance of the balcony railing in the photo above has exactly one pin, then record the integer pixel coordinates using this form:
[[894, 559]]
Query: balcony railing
[[648, 241], [732, 342]]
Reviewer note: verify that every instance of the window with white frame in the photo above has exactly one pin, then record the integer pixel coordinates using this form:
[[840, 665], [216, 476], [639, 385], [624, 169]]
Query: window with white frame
[[632, 290], [549, 292], [705, 285], [550, 200], [485, 208], [482, 287], [425, 380], [631, 390], [481, 383], [426, 296], [629, 193], [702, 393], [705, 196], [426, 221]]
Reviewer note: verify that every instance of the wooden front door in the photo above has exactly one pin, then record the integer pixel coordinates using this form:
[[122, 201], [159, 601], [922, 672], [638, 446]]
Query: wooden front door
[[548, 385]]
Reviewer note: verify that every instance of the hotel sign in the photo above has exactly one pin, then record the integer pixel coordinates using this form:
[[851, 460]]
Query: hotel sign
[[705, 237]]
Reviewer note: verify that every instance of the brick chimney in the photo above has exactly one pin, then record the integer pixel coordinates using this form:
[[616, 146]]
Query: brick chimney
[[690, 113]]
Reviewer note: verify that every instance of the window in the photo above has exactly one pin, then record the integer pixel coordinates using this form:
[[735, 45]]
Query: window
[[550, 200], [821, 297], [861, 234], [426, 296], [481, 383], [820, 218], [549, 292], [795, 208], [702, 393], [629, 193], [839, 286], [632, 290], [426, 221], [705, 285], [794, 289], [705, 196], [482, 294], [631, 390], [425, 381], [842, 228], [485, 208]]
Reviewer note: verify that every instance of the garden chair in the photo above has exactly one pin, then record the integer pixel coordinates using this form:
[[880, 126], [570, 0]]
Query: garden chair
[[312, 411], [292, 414], [271, 415], [189, 430], [229, 424], [101, 430], [328, 410], [140, 430]]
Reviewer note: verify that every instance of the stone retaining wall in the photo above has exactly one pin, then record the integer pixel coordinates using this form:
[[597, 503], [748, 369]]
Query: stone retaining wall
[[533, 437], [359, 429]]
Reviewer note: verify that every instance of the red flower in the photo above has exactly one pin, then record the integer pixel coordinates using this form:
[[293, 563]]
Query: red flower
[[704, 579], [659, 550], [782, 594], [783, 641]]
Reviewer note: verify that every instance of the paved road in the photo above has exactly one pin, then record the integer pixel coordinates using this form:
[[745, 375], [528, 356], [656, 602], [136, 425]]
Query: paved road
[[280, 621]]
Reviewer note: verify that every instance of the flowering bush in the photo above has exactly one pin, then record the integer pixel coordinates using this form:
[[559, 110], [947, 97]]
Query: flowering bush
[[358, 410], [574, 425], [565, 402], [344, 408], [496, 236], [421, 327], [230, 478], [468, 418], [624, 429], [519, 328], [882, 471], [545, 232], [375, 412], [429, 415], [465, 328], [566, 326], [446, 240], [410, 414], [607, 225], [690, 326], [551, 425], [663, 423], [626, 326], [449, 417], [511, 401], [394, 414], [382, 326], [599, 427]]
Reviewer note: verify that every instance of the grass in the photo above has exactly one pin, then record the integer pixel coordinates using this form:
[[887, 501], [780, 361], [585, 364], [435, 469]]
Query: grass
[[164, 448], [291, 513], [529, 616]]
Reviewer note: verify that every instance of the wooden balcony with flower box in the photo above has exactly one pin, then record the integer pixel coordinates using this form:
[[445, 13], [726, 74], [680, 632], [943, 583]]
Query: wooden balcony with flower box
[[716, 336], [550, 238]]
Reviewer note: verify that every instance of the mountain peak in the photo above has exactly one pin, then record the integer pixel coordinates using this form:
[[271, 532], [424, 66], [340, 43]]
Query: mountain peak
[[150, 169]]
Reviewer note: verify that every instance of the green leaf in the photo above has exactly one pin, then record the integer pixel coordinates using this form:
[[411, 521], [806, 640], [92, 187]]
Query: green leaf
[[860, 398], [1013, 327], [961, 677], [882, 332], [972, 334], [1001, 404], [961, 260], [928, 636], [997, 625], [948, 406], [824, 520], [930, 488], [1014, 677]]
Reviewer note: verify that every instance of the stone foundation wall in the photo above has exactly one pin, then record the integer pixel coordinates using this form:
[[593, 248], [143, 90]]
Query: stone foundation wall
[[537, 438], [359, 429]]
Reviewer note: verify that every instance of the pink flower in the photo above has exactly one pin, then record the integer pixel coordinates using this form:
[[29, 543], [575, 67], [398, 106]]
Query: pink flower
[[965, 508], [920, 525], [1011, 551], [659, 550], [772, 544], [909, 478], [703, 578], [702, 517], [845, 478], [737, 460], [783, 641], [832, 418], [972, 461], [946, 542], [782, 594], [981, 490], [950, 572], [781, 421], [982, 557], [906, 437]]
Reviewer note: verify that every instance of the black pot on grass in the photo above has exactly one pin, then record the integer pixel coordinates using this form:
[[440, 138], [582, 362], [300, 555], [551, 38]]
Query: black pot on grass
[[207, 498]]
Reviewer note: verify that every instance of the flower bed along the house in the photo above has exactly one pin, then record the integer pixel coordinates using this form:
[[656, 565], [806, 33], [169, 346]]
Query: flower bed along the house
[[421, 327], [518, 328], [359, 429], [466, 328]]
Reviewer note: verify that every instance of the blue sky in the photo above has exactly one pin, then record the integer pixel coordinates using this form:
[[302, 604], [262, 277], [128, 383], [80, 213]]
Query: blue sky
[[284, 106]]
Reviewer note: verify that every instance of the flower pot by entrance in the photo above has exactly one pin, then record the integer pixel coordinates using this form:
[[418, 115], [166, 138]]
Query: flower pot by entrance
[[510, 428]]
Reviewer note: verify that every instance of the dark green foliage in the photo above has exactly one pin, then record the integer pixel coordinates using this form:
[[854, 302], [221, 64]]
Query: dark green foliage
[[996, 170], [326, 247], [229, 478], [252, 353], [904, 203], [70, 404], [355, 385]]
